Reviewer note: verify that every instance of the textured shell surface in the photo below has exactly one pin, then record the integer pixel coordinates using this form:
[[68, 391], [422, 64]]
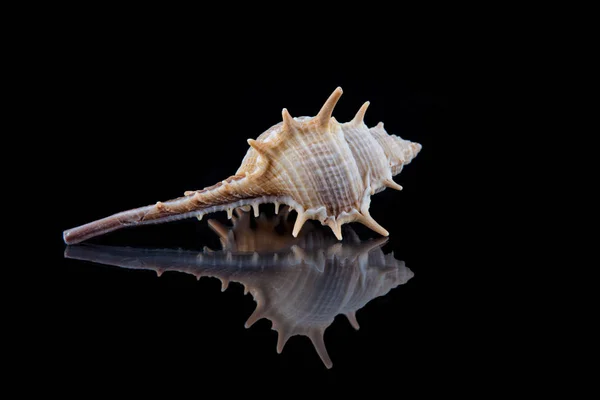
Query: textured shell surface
[[323, 169], [299, 283]]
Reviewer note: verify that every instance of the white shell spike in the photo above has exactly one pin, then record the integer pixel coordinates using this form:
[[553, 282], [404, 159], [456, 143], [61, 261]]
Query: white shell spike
[[323, 169]]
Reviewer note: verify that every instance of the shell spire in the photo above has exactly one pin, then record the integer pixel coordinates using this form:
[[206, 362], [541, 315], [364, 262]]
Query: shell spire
[[323, 169]]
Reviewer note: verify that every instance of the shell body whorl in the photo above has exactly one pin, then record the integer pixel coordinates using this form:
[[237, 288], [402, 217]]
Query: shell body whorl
[[329, 170], [323, 169]]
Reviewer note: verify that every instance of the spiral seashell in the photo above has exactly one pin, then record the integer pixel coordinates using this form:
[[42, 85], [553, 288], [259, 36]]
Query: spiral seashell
[[323, 169], [300, 284]]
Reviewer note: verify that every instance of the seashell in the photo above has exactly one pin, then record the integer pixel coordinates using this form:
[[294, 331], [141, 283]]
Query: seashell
[[323, 169], [300, 284]]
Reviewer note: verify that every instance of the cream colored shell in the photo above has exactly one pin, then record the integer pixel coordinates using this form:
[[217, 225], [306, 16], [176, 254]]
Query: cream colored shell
[[325, 170]]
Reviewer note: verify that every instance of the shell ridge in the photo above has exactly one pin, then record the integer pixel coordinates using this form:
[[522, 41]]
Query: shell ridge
[[359, 157], [324, 166], [304, 139], [333, 167], [369, 153], [294, 140], [350, 167], [355, 145]]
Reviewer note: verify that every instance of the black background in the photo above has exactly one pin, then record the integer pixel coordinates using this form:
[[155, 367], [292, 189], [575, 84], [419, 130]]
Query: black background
[[139, 121]]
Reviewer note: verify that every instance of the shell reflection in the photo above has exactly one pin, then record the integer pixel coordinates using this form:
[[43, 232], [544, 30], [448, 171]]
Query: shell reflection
[[300, 284]]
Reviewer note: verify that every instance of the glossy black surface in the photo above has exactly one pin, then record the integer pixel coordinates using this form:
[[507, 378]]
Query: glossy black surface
[[143, 133], [299, 284]]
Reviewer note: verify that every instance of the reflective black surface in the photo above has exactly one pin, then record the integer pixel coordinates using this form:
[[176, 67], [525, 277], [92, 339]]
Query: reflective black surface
[[130, 144], [300, 284], [153, 309]]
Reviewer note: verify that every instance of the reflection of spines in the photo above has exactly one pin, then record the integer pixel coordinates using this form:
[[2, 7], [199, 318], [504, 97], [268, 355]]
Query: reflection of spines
[[317, 337], [301, 285], [241, 237], [351, 315], [282, 338], [224, 284], [257, 314]]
